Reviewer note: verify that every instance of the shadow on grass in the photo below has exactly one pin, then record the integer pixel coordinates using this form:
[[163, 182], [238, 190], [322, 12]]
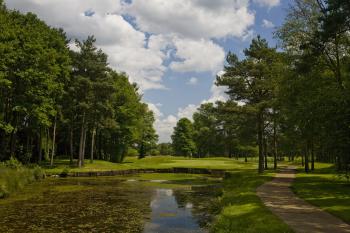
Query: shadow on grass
[[325, 189], [242, 210]]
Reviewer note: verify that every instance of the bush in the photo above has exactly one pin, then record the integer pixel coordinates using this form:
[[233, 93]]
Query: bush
[[14, 176], [13, 163], [132, 152], [65, 172], [3, 192]]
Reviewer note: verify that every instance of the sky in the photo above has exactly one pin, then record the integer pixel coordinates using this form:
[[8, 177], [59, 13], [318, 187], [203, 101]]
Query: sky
[[173, 49]]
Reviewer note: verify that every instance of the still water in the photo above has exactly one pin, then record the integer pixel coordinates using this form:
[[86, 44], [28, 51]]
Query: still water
[[113, 204]]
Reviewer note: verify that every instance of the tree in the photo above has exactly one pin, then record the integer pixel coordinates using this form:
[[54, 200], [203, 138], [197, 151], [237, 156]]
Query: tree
[[251, 81], [34, 65], [147, 139], [182, 138], [205, 131], [165, 149], [89, 74], [318, 52]]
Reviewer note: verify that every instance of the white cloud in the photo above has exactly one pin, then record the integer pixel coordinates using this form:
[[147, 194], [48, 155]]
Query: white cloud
[[267, 3], [154, 108], [197, 55], [182, 28], [192, 81], [125, 46], [165, 127], [179, 29], [267, 24], [217, 94], [187, 112], [192, 19]]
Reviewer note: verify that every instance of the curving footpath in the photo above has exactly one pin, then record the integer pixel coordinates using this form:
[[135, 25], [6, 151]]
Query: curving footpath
[[301, 216]]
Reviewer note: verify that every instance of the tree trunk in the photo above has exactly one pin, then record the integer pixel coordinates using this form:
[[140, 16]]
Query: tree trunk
[[40, 146], [307, 159], [92, 145], [71, 146], [312, 156], [274, 145], [47, 152], [100, 145], [260, 142], [302, 161], [84, 147], [13, 143], [80, 159], [265, 152], [53, 141]]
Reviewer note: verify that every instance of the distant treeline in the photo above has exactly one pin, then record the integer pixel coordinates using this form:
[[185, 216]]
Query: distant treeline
[[293, 101], [55, 101]]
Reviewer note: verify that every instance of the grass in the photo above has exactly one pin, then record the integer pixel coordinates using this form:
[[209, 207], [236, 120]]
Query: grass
[[242, 210], [155, 162], [13, 179], [324, 188]]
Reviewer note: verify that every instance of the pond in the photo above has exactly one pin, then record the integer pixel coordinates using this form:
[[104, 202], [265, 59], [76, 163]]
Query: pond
[[148, 203]]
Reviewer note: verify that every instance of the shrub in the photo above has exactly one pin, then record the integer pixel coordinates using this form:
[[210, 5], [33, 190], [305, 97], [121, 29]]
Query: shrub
[[14, 176], [13, 163]]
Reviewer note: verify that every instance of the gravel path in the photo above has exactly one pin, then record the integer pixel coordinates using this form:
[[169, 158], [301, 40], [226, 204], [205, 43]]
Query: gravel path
[[301, 216]]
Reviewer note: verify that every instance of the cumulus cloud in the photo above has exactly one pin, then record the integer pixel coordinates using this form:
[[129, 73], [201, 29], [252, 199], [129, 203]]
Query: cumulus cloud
[[267, 3], [146, 38], [125, 46], [165, 127], [197, 55], [165, 124], [154, 108], [187, 112], [192, 19], [192, 81], [267, 24]]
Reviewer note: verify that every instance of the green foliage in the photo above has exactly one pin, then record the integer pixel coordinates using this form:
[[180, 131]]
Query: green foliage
[[182, 137], [14, 176], [13, 163], [165, 149], [147, 137], [56, 101]]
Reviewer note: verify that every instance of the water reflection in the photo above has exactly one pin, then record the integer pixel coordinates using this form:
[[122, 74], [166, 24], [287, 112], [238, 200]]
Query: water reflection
[[167, 216], [110, 205]]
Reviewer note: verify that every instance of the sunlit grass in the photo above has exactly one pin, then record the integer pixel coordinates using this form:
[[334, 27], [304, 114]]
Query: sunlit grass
[[326, 189], [242, 210], [154, 162]]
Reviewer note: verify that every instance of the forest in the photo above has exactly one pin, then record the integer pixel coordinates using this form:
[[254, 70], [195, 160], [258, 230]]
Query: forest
[[56, 101], [289, 101], [79, 149]]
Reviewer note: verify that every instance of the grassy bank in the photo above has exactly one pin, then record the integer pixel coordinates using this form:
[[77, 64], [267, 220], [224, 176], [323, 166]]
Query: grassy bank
[[14, 176], [242, 210], [155, 162], [326, 189]]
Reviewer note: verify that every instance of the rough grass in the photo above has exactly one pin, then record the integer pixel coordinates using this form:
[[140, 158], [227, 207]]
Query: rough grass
[[326, 189], [242, 210], [14, 179]]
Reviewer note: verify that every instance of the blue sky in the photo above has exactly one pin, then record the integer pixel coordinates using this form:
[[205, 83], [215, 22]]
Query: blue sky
[[172, 49]]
